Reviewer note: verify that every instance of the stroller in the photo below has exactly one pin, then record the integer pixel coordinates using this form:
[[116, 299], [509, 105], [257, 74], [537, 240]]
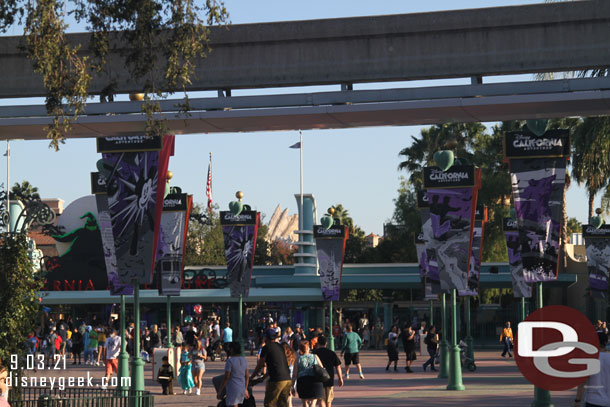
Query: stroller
[[215, 351], [466, 361], [249, 402]]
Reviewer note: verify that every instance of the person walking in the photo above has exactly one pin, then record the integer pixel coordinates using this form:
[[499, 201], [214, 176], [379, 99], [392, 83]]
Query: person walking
[[236, 377], [596, 390], [155, 338], [291, 357], [431, 342], [350, 350], [198, 357], [332, 364], [273, 357], [178, 339], [101, 348], [392, 348], [77, 346], [308, 388], [408, 343], [507, 339], [111, 361], [227, 334], [185, 374]]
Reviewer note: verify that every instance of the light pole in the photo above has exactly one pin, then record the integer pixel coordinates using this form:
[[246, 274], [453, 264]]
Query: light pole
[[542, 398], [444, 353], [123, 356], [455, 368], [137, 364]]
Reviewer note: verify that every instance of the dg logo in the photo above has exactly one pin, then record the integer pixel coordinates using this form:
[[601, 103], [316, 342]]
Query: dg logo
[[557, 348]]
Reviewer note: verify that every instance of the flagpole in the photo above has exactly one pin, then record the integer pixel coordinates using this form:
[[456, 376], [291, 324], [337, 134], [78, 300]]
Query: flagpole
[[301, 175]]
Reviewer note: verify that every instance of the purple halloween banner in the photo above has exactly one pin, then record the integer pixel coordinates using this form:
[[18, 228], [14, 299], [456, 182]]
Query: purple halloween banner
[[330, 248], [240, 242], [170, 248], [537, 170], [426, 253], [98, 188], [135, 188], [452, 201], [476, 252], [511, 233], [597, 243]]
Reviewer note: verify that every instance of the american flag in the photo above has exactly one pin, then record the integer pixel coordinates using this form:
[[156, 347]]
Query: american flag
[[208, 189]]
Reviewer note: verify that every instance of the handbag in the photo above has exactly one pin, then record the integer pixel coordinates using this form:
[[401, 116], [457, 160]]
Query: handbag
[[320, 373]]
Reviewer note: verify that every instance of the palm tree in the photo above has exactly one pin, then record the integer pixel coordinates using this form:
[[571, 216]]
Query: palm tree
[[433, 139], [24, 191], [343, 215], [591, 156]]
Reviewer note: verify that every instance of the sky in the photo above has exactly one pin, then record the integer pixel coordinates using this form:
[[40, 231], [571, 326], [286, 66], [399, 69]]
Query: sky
[[354, 167]]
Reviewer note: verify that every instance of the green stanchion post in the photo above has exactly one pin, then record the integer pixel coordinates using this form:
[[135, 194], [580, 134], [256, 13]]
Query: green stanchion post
[[455, 365], [522, 309], [137, 364], [431, 313], [169, 322], [331, 338], [240, 317], [542, 398], [444, 354], [469, 338], [123, 356]]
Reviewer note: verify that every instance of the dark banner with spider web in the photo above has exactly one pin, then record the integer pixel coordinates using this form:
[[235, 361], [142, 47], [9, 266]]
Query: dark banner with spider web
[[240, 242], [135, 186]]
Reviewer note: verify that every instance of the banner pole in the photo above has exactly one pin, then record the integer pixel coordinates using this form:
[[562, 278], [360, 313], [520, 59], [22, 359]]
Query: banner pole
[[137, 364], [444, 354], [455, 365], [469, 338], [169, 322], [331, 338], [431, 304], [240, 318], [522, 309], [123, 356], [542, 398]]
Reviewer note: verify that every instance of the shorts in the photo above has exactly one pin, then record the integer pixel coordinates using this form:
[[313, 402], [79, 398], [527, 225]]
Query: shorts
[[351, 358], [111, 365], [277, 393], [328, 394]]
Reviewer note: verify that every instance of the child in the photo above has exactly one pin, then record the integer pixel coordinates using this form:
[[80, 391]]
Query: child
[[185, 376], [165, 376]]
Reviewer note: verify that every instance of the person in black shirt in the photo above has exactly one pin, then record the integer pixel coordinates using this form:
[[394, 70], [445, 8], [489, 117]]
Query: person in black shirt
[[273, 356], [331, 363]]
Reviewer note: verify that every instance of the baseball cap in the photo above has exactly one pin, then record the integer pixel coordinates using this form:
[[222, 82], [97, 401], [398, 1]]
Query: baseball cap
[[271, 334]]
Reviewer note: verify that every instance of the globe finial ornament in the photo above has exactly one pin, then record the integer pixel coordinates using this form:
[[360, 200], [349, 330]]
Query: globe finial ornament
[[136, 97], [444, 159], [331, 211], [170, 175], [451, 144], [597, 221], [537, 126], [239, 195], [236, 207]]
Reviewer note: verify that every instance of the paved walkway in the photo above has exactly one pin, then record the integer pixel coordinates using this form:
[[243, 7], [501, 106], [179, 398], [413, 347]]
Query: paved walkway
[[496, 383]]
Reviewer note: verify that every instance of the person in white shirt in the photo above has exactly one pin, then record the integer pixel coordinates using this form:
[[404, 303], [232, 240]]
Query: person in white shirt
[[113, 348], [596, 389]]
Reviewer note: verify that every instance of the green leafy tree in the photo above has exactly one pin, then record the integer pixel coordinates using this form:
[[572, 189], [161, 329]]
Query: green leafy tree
[[205, 241], [433, 139], [19, 286], [591, 156], [24, 191], [161, 41], [574, 226], [262, 250]]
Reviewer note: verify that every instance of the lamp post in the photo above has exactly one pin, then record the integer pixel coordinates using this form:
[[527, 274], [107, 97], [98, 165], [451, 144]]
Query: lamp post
[[469, 338], [444, 354], [240, 332], [169, 322], [137, 364], [123, 356], [331, 338], [431, 313], [455, 367]]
